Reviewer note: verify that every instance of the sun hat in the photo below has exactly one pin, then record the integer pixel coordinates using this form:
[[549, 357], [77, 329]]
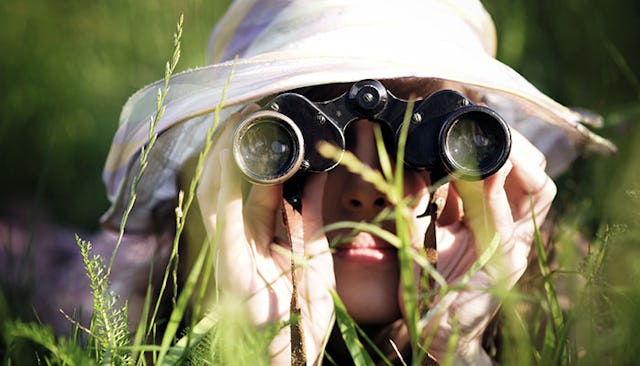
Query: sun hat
[[278, 45]]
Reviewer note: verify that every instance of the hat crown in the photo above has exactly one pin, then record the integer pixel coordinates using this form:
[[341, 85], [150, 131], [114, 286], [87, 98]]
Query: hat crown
[[338, 27]]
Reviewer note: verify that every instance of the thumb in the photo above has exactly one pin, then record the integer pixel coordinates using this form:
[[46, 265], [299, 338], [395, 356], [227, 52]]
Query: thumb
[[315, 241], [486, 206]]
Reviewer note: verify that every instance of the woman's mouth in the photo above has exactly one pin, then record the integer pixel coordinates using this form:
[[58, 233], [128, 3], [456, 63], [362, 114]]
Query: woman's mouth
[[364, 248]]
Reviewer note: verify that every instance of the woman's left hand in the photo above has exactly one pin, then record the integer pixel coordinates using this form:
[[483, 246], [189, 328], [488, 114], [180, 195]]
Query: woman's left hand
[[504, 207]]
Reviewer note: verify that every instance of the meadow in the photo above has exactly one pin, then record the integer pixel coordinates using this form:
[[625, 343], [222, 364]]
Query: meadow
[[67, 68]]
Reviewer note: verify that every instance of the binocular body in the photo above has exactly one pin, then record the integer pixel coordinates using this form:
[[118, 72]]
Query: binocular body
[[447, 133]]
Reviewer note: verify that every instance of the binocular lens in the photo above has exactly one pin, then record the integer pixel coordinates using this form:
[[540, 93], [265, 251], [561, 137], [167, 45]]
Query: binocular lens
[[475, 145], [268, 147]]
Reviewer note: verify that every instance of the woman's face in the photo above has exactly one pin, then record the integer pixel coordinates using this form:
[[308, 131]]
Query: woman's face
[[366, 267]]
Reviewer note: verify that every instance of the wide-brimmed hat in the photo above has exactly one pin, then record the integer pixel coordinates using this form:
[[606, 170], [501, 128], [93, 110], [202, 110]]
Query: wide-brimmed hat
[[278, 45]]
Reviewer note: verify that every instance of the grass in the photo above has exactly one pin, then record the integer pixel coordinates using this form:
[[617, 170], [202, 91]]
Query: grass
[[537, 330], [540, 337], [576, 309]]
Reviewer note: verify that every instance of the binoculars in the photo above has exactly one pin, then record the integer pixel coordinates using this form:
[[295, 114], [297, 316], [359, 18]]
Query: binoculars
[[448, 134]]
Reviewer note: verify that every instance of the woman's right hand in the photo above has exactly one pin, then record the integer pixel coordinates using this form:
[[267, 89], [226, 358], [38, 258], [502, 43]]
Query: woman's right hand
[[249, 236]]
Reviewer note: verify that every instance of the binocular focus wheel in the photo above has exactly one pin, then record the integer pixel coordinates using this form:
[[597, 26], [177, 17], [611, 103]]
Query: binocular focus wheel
[[268, 147], [368, 97]]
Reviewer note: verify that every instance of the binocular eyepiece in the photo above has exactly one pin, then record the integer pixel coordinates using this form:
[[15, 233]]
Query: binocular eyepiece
[[448, 134]]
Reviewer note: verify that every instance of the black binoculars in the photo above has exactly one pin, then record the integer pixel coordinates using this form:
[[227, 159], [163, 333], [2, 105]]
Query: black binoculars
[[447, 135]]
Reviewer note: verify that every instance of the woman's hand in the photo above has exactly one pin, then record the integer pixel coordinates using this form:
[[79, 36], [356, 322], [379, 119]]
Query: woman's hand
[[250, 259], [505, 204]]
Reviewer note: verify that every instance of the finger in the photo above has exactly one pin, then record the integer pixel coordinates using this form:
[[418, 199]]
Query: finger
[[494, 216], [524, 200], [232, 249], [486, 206], [528, 182], [318, 278], [211, 180], [232, 238], [498, 200], [261, 209], [520, 145], [452, 211], [227, 188], [315, 240], [208, 190], [529, 164]]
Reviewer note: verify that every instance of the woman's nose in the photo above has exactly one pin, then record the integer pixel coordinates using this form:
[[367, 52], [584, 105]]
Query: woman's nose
[[362, 199], [359, 196]]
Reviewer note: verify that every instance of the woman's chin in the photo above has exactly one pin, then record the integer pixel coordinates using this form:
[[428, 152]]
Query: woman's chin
[[369, 292], [367, 311]]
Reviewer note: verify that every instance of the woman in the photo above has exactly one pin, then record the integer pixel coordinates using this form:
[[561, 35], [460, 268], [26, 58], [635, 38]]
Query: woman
[[415, 48]]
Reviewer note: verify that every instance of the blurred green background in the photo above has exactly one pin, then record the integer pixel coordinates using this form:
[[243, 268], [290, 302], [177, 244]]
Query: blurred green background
[[67, 67]]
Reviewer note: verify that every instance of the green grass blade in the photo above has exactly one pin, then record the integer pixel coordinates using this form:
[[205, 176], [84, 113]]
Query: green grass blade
[[402, 143], [482, 260], [141, 329], [181, 306], [552, 331], [196, 334], [182, 211], [351, 162], [348, 328], [366, 227], [152, 137], [383, 156]]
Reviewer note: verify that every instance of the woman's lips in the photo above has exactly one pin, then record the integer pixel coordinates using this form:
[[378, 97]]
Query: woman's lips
[[365, 248]]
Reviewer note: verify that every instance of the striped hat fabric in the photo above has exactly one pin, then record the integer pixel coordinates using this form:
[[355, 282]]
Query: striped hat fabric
[[278, 45]]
